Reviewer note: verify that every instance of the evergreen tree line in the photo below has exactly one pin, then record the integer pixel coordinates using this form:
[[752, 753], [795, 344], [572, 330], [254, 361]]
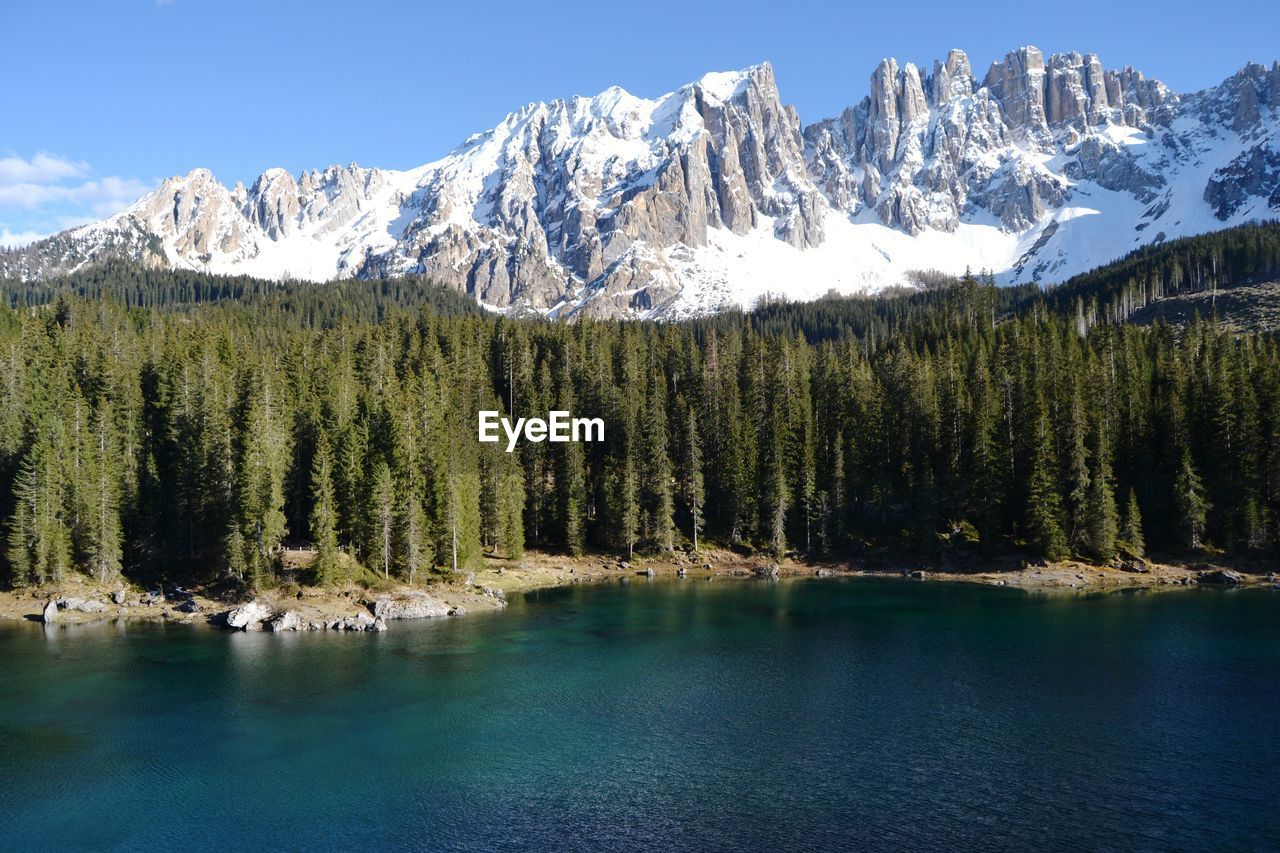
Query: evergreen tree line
[[158, 443]]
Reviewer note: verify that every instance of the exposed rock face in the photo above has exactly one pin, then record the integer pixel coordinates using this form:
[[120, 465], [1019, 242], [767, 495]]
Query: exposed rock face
[[1253, 175], [623, 206], [932, 153]]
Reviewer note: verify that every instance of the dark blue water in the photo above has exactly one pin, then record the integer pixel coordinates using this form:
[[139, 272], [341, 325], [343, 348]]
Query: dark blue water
[[804, 715]]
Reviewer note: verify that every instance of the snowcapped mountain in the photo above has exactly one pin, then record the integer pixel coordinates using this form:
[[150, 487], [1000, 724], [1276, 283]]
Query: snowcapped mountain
[[715, 194]]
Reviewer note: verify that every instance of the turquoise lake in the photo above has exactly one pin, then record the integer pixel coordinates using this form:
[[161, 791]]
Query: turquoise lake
[[816, 714]]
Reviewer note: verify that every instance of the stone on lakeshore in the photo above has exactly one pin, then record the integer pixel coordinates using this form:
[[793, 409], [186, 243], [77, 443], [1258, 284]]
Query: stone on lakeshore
[[1220, 576], [50, 614], [118, 596], [360, 622], [83, 605], [416, 605], [287, 621], [248, 617]]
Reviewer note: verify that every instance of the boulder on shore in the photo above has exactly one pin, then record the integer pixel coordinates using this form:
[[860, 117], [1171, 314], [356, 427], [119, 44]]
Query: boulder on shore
[[359, 622], [248, 617], [416, 605], [287, 621], [1221, 576], [50, 614], [81, 605]]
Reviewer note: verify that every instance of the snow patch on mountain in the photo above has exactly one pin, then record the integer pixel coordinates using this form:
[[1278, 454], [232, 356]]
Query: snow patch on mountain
[[716, 195]]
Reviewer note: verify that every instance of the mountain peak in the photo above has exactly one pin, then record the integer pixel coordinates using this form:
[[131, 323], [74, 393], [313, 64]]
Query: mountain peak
[[723, 85], [714, 194]]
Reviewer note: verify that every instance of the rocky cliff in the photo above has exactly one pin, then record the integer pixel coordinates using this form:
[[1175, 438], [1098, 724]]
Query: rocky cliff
[[715, 194]]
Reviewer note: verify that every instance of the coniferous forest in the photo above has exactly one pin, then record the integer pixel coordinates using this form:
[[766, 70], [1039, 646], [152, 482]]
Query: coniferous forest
[[166, 424]]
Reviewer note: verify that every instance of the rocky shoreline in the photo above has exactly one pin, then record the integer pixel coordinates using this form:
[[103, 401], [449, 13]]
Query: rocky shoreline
[[81, 601], [1068, 577]]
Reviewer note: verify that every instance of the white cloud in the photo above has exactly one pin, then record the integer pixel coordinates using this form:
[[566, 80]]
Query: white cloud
[[48, 193], [10, 240], [40, 169]]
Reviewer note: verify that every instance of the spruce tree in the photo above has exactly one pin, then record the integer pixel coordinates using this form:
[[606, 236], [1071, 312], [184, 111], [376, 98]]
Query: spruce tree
[[39, 536], [381, 519], [1044, 504], [694, 491], [629, 499], [1192, 506], [658, 467], [511, 511], [1130, 537], [1100, 511], [324, 515], [103, 535]]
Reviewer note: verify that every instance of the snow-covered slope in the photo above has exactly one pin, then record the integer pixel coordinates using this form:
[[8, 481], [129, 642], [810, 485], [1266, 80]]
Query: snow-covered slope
[[714, 195]]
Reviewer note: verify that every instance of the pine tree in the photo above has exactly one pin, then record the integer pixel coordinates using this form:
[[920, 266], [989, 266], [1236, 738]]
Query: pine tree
[[1100, 526], [571, 487], [511, 511], [629, 497], [382, 518], [777, 500], [1044, 504], [694, 491], [102, 545], [1130, 537], [324, 515], [264, 454], [39, 536], [412, 544], [658, 467], [1193, 507]]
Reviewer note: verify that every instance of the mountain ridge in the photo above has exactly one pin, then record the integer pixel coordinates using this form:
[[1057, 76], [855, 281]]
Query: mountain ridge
[[716, 194]]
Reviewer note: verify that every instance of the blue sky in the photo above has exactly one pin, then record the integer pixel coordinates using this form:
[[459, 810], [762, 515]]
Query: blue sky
[[103, 99]]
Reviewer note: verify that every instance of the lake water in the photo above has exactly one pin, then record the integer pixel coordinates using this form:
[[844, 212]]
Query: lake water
[[822, 714]]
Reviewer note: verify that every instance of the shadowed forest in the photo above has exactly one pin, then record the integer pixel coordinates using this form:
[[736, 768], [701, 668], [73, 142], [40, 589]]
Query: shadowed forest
[[169, 424]]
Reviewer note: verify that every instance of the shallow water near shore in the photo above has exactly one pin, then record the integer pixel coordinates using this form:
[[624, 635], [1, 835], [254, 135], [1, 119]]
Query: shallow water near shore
[[800, 715]]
